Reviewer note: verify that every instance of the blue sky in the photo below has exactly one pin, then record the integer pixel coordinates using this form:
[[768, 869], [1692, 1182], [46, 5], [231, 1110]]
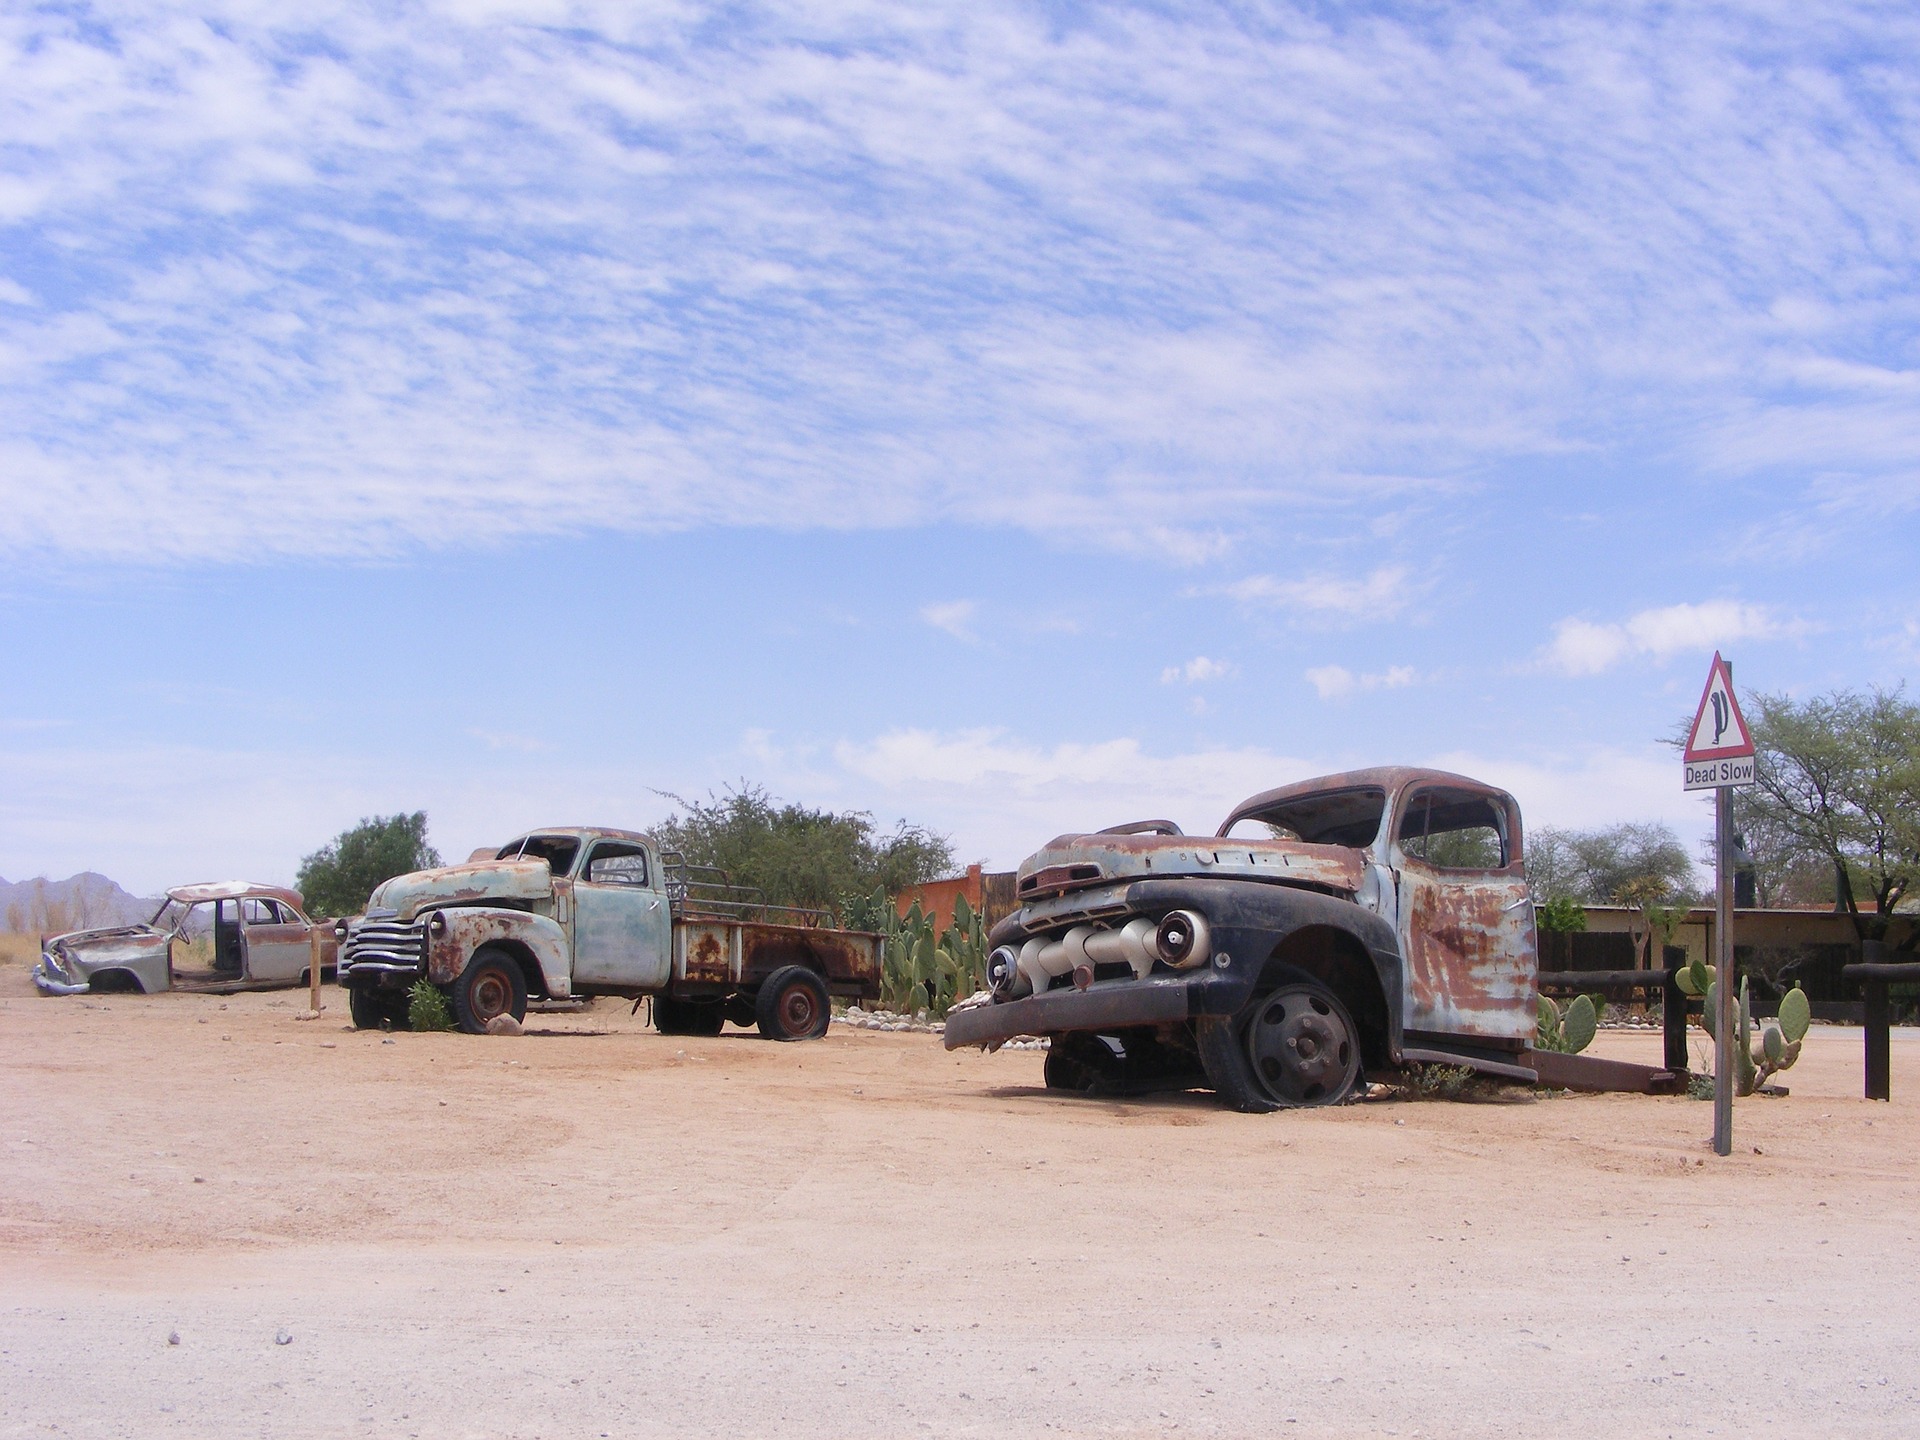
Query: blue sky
[[1015, 418]]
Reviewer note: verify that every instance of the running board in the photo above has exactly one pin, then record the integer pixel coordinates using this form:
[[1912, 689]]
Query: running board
[[1590, 1072], [1502, 1068]]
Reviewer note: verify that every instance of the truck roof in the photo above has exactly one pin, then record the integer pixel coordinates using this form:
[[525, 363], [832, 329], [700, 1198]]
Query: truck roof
[[583, 832], [1390, 778]]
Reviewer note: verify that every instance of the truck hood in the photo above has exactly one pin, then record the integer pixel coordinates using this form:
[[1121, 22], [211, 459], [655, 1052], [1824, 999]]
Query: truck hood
[[1074, 862], [518, 881]]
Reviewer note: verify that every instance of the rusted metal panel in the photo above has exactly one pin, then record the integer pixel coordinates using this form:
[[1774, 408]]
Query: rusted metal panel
[[1592, 1073], [522, 881], [703, 952], [1468, 946], [1077, 862]]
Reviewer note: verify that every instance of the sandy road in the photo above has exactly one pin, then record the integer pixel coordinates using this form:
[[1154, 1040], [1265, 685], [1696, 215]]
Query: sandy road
[[597, 1231]]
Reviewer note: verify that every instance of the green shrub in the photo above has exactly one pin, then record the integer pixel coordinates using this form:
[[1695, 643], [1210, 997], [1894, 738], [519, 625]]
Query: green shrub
[[427, 1007], [1562, 915]]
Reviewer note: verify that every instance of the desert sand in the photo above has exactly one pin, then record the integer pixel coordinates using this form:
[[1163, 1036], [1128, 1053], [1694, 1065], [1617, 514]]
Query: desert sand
[[218, 1218]]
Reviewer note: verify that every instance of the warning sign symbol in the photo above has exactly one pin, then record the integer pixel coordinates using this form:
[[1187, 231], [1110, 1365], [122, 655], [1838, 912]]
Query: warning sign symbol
[[1719, 746]]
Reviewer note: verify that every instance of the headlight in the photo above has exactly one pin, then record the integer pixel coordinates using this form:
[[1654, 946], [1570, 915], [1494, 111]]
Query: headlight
[[1182, 939], [437, 925]]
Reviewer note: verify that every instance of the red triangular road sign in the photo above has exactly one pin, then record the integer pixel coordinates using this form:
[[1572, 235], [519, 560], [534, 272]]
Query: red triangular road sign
[[1719, 730]]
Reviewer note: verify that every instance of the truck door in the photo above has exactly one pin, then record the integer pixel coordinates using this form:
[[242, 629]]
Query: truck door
[[275, 941], [1465, 920], [622, 926]]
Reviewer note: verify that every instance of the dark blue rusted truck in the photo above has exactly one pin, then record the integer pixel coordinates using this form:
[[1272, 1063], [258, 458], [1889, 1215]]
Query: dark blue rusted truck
[[1364, 921]]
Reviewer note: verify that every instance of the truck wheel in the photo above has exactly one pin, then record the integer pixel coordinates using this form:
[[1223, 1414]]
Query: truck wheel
[[687, 1017], [1285, 1049], [377, 1009], [1084, 1064], [792, 1005], [490, 985]]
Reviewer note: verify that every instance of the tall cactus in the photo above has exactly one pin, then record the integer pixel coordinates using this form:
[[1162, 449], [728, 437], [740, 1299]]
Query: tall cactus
[[1755, 1061]]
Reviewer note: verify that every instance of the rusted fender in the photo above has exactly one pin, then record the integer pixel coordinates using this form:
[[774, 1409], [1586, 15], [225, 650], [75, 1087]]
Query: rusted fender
[[467, 928]]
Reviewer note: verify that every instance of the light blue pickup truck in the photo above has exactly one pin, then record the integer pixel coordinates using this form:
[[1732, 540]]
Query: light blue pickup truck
[[581, 911]]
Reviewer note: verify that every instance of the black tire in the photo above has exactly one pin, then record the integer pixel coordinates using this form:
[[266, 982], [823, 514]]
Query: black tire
[[688, 1017], [1083, 1064], [492, 984], [1286, 1049], [792, 1004], [377, 1009]]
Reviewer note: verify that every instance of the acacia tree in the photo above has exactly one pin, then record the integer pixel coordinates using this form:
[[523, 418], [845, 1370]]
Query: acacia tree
[[338, 877], [1837, 783], [1643, 866], [800, 856]]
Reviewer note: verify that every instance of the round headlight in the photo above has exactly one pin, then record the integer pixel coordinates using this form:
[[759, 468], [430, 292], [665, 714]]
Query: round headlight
[[1181, 939]]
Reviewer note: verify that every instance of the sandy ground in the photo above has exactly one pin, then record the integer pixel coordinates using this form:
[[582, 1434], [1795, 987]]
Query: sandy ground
[[595, 1231]]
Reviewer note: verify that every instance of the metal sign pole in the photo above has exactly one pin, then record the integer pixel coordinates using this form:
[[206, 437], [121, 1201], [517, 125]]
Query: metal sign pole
[[1723, 1038]]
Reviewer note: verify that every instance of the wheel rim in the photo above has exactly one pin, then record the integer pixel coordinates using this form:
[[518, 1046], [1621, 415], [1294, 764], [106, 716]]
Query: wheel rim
[[799, 1009], [490, 994], [1302, 1049]]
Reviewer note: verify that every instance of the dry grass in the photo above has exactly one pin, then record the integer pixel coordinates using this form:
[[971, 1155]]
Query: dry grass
[[19, 949]]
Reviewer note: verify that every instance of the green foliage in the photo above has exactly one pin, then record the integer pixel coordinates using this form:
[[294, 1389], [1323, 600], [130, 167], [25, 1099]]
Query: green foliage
[[1440, 1082], [337, 878], [1562, 915], [920, 972], [1569, 1031], [866, 912], [1837, 794], [798, 856], [427, 1007], [1637, 865]]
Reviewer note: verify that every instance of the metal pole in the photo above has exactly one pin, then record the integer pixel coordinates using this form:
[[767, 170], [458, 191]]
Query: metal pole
[[1723, 1039]]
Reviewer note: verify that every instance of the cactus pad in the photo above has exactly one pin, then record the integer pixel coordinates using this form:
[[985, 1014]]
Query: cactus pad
[[1578, 1024], [1795, 1015]]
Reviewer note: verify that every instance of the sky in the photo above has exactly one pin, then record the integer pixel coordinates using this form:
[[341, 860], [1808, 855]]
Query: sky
[[1010, 418]]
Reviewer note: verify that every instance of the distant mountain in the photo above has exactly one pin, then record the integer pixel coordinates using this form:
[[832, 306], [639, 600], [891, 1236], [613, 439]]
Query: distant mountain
[[81, 902]]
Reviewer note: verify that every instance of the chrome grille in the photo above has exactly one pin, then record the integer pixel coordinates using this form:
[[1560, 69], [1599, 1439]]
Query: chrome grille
[[386, 943]]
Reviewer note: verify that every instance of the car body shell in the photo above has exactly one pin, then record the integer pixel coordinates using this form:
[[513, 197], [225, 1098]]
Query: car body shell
[[262, 940]]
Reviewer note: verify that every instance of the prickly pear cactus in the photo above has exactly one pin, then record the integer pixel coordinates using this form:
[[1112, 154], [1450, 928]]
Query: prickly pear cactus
[[1758, 1058], [1568, 1031], [1779, 1044]]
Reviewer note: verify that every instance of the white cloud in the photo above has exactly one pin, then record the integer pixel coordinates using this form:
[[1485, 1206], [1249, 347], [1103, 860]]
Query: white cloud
[[500, 740], [953, 616], [1582, 647], [1197, 671], [1134, 279], [1380, 595], [1336, 682]]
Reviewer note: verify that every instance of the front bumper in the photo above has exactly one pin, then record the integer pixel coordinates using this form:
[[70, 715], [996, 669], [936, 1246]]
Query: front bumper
[[1106, 1005], [54, 979]]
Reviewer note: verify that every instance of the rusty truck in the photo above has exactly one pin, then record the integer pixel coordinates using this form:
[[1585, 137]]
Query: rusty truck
[[1356, 923], [573, 911]]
